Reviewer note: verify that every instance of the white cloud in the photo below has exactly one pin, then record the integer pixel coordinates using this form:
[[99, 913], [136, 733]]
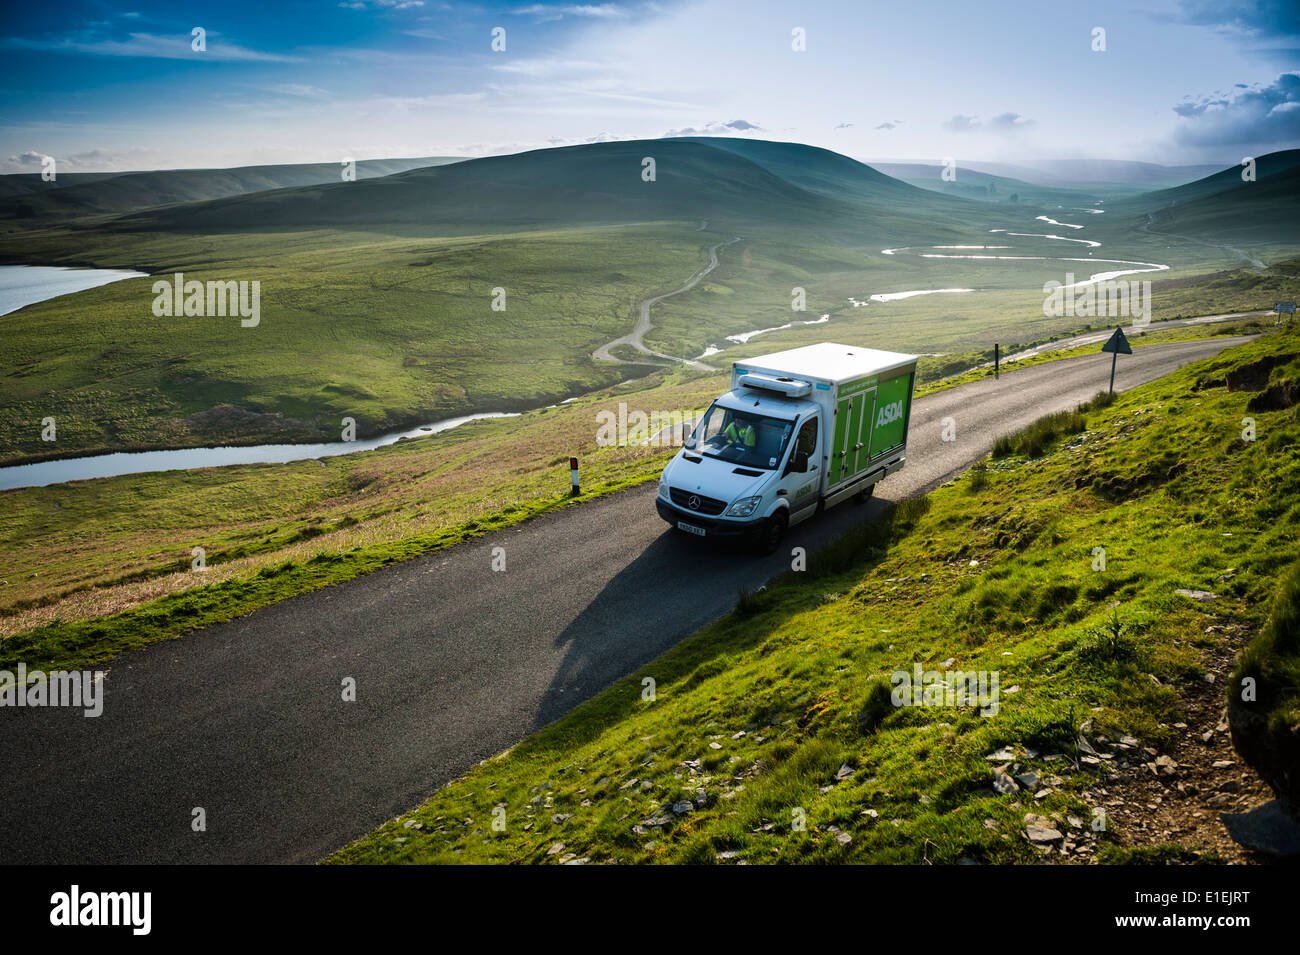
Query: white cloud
[[1265, 116], [735, 127], [544, 13], [147, 45]]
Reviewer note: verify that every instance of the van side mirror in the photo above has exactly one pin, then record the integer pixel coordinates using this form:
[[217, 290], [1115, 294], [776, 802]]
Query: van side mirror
[[798, 463]]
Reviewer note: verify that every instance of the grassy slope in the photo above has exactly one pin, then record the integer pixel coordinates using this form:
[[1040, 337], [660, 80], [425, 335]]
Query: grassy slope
[[389, 331], [756, 714]]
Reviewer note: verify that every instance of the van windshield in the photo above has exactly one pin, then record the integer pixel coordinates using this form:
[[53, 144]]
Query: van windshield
[[750, 440]]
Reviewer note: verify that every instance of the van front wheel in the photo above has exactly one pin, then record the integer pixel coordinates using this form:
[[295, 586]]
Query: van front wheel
[[773, 533]]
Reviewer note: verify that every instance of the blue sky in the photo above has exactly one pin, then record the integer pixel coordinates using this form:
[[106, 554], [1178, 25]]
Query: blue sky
[[105, 86]]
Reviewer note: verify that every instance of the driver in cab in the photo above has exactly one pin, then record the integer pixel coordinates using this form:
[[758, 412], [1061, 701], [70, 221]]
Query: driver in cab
[[743, 435]]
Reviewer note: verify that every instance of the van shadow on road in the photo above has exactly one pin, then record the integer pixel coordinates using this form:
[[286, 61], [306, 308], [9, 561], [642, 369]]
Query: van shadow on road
[[628, 624]]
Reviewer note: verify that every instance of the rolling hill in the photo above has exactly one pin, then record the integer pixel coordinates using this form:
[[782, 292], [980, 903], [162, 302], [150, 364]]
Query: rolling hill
[[776, 184], [26, 183], [23, 201], [1224, 207], [972, 183]]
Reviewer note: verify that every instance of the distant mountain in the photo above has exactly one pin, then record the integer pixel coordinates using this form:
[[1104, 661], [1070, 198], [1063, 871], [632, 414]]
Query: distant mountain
[[25, 183], [1224, 206], [972, 183], [1090, 172], [95, 194], [1222, 180], [775, 183]]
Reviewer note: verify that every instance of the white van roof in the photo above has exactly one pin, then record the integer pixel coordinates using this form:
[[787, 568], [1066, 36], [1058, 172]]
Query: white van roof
[[827, 361]]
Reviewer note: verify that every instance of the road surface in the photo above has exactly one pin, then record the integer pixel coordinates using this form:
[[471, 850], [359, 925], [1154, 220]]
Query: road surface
[[453, 662]]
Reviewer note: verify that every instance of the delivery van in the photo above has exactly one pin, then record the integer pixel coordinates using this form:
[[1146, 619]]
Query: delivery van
[[799, 431]]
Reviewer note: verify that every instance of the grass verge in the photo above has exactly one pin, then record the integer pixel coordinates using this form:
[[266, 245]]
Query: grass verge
[[772, 734]]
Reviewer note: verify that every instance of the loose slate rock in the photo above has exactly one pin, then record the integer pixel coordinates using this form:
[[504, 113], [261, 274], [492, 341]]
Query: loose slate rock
[[1004, 783], [1043, 834]]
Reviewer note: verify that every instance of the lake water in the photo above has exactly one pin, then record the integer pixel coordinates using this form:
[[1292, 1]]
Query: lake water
[[28, 284], [43, 473]]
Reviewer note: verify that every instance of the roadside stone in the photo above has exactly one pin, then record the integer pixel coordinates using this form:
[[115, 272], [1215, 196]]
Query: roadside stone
[[1003, 783], [1028, 779], [1200, 596], [1043, 835]]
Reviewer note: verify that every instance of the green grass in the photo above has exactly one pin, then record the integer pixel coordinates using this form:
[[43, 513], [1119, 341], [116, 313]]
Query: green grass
[[92, 568], [1033, 440], [755, 715], [376, 294], [390, 332]]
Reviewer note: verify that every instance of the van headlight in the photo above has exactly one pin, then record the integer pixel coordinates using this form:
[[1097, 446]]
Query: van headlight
[[663, 488], [744, 507]]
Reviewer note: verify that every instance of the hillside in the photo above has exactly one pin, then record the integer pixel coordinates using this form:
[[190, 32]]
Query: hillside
[[26, 183], [98, 194], [579, 184], [735, 181], [1263, 211], [819, 170], [1271, 167], [772, 735]]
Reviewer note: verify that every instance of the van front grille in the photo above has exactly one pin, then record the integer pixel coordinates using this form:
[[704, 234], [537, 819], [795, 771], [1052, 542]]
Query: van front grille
[[696, 502]]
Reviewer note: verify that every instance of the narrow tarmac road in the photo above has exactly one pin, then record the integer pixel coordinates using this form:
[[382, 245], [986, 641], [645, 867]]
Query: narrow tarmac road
[[453, 662], [634, 338]]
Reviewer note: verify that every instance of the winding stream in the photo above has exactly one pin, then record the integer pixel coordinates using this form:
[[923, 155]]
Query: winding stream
[[25, 285]]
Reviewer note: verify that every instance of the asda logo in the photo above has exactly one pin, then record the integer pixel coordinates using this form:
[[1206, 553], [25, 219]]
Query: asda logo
[[889, 413]]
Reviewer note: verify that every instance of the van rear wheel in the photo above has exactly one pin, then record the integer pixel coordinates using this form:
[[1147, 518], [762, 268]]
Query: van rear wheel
[[773, 533], [864, 495]]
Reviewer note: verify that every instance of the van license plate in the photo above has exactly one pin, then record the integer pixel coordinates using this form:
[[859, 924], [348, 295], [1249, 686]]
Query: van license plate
[[690, 528]]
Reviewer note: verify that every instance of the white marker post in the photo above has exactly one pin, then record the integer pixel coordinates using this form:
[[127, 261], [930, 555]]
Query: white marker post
[[573, 470]]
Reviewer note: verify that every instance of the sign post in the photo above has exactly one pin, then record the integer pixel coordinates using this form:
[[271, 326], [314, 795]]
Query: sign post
[[1284, 308], [1117, 345]]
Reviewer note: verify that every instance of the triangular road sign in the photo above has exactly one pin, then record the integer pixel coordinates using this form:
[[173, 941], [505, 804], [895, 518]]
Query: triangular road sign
[[1118, 343]]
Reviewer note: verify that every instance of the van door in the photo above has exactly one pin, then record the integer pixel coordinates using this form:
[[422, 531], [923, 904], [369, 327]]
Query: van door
[[848, 422], [801, 486], [862, 447]]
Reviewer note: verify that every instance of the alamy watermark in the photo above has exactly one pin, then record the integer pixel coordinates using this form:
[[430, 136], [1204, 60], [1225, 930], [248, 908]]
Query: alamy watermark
[[656, 429], [1108, 298], [952, 688], [77, 688], [213, 299]]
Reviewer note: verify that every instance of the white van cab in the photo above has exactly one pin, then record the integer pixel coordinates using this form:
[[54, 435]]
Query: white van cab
[[799, 430]]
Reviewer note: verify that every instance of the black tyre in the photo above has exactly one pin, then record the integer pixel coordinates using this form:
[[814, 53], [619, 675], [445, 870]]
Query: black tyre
[[773, 533], [864, 495]]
